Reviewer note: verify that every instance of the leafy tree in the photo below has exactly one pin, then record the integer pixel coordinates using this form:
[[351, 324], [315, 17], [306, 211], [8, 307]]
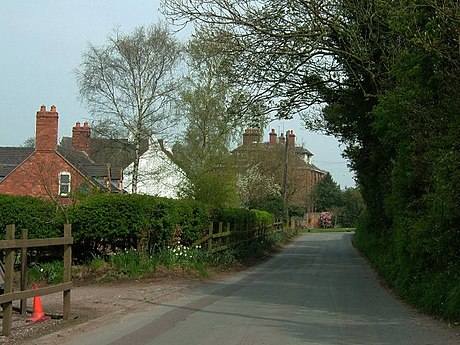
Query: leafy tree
[[128, 83], [327, 194], [209, 108], [386, 74], [353, 206], [259, 191]]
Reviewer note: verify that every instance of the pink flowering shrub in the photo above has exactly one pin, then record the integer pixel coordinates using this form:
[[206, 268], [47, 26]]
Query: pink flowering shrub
[[325, 219]]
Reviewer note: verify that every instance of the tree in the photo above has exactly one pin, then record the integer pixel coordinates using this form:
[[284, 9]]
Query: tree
[[29, 142], [128, 83], [386, 74], [352, 208], [326, 194], [209, 109]]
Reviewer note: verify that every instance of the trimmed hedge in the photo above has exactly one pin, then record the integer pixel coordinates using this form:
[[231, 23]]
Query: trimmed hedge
[[116, 221], [38, 216], [112, 222], [243, 218]]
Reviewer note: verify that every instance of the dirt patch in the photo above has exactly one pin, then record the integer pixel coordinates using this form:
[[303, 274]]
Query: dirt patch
[[100, 303]]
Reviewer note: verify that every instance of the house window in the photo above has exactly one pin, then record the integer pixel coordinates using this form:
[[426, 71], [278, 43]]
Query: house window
[[64, 183]]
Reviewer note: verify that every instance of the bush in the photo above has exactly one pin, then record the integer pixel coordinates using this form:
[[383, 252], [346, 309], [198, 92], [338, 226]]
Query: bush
[[36, 215], [325, 220], [105, 223]]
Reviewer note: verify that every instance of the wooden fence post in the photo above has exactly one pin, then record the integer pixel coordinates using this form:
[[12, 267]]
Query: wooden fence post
[[211, 229], [227, 239], [9, 274], [221, 226], [67, 271], [23, 305]]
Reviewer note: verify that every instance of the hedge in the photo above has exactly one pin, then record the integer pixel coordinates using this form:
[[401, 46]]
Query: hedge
[[112, 222]]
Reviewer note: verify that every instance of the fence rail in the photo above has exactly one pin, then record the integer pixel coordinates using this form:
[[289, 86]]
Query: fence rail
[[225, 238], [10, 244]]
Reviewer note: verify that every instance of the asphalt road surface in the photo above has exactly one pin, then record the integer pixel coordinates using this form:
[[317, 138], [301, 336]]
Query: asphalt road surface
[[318, 290]]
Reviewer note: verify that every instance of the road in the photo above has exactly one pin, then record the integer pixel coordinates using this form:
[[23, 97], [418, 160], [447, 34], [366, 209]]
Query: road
[[318, 290]]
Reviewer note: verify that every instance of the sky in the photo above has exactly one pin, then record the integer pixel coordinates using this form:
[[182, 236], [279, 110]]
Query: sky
[[42, 44]]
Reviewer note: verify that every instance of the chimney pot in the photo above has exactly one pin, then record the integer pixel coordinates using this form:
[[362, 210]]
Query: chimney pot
[[46, 129], [272, 137], [81, 137]]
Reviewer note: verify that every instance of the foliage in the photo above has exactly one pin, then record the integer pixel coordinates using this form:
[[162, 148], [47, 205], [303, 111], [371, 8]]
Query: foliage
[[387, 74], [214, 187], [353, 206], [242, 218], [208, 108], [273, 205], [110, 222], [49, 273], [128, 83], [254, 187], [133, 264], [326, 194], [38, 216], [325, 220]]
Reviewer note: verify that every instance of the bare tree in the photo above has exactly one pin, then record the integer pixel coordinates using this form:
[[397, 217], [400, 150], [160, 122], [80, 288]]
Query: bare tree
[[129, 83]]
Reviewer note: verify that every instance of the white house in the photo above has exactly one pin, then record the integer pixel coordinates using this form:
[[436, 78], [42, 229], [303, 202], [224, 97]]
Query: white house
[[158, 174]]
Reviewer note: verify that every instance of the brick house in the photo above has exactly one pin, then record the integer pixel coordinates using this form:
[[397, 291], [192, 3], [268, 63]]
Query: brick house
[[53, 171], [271, 156]]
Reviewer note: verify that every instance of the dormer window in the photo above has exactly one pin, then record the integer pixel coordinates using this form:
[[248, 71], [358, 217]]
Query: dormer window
[[64, 184]]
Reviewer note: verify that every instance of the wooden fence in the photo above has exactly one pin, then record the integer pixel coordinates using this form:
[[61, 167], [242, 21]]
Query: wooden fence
[[223, 238], [10, 244]]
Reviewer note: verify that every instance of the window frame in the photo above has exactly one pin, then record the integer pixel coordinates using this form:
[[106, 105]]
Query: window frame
[[61, 184]]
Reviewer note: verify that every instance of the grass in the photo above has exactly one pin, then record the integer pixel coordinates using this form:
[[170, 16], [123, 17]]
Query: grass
[[316, 230], [133, 264]]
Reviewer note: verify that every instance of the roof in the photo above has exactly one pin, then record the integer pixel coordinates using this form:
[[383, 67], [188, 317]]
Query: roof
[[116, 152], [87, 166], [11, 157], [297, 149]]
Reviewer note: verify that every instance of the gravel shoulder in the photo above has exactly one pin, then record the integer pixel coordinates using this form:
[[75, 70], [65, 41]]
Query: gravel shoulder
[[93, 305]]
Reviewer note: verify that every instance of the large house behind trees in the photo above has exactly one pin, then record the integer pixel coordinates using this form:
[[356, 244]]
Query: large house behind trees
[[271, 157], [56, 172]]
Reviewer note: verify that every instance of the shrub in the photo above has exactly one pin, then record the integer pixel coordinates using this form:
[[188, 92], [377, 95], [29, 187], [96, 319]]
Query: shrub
[[105, 223], [325, 220], [36, 215]]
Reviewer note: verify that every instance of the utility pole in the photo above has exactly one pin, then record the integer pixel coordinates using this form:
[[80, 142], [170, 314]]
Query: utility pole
[[285, 181]]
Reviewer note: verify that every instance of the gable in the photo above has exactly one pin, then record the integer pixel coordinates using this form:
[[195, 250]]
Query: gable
[[38, 176]]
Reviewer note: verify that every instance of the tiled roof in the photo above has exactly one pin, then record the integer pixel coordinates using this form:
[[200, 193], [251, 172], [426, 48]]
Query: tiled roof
[[87, 166], [116, 152], [11, 157]]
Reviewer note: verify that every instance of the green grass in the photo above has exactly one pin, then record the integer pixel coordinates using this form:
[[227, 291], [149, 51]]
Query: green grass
[[133, 264], [316, 230]]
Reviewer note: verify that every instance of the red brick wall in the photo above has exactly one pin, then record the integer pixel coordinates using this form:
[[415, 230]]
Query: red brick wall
[[38, 176], [46, 129], [81, 137]]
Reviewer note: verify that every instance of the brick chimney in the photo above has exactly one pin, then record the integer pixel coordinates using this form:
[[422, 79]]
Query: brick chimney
[[46, 129], [282, 138], [250, 136], [291, 138], [273, 137], [81, 137]]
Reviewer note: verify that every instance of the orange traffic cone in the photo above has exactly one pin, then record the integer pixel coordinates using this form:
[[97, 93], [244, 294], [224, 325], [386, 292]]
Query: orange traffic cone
[[38, 314]]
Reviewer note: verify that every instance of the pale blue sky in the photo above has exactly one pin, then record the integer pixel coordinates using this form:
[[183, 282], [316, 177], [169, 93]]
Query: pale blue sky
[[41, 45]]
